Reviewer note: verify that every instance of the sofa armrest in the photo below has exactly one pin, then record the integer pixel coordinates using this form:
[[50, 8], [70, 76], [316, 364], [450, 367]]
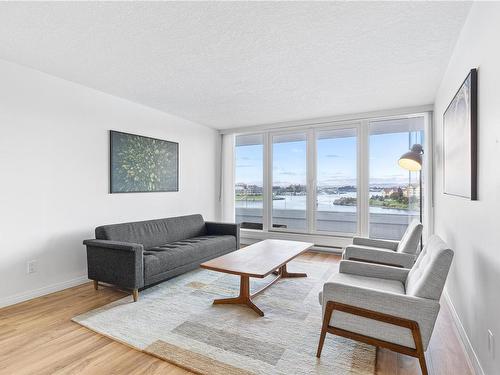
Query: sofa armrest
[[370, 242], [224, 229], [373, 270], [116, 245], [117, 263], [381, 256]]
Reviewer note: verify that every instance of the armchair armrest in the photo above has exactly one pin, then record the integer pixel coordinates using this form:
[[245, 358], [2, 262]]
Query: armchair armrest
[[114, 262], [224, 229], [421, 310], [373, 270], [370, 242], [381, 256]]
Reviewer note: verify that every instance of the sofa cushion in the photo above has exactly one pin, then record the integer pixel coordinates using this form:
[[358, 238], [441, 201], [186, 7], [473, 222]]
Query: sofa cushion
[[411, 238], [428, 276], [183, 227], [385, 285], [152, 233], [163, 258]]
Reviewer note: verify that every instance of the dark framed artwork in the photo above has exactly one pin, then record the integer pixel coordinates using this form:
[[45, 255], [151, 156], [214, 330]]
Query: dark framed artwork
[[141, 164], [460, 141]]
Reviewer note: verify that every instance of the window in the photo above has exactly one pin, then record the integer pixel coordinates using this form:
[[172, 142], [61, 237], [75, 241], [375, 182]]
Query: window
[[338, 179], [393, 192], [336, 186], [289, 181], [249, 182]]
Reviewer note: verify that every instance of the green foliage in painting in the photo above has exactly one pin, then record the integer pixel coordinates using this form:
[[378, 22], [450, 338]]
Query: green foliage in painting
[[142, 164]]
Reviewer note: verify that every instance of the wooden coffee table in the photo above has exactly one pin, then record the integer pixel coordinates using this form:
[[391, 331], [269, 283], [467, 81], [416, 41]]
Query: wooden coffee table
[[257, 260]]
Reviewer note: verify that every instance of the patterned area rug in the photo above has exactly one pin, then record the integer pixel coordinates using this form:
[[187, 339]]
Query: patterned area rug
[[177, 322]]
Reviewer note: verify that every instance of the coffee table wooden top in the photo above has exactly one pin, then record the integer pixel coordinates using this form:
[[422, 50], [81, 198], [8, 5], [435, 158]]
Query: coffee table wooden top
[[259, 259]]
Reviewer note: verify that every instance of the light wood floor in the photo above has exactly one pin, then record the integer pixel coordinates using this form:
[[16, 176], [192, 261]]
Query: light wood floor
[[37, 337]]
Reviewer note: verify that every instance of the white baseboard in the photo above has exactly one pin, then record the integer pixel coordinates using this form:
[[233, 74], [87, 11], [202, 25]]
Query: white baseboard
[[471, 354], [25, 296]]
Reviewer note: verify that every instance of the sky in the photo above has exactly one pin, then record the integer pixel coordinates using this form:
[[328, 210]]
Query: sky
[[336, 161]]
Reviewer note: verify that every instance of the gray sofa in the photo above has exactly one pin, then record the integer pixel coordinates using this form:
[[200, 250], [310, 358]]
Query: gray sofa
[[138, 254]]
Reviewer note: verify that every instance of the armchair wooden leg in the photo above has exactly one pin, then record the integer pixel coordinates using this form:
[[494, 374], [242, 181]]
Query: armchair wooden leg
[[415, 330], [324, 328], [96, 284], [423, 365], [135, 294], [413, 326]]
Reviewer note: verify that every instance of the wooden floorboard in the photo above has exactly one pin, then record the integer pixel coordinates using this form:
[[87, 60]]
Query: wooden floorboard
[[38, 337]]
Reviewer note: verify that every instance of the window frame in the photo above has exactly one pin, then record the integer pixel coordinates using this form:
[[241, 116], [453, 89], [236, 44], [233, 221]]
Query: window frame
[[363, 174]]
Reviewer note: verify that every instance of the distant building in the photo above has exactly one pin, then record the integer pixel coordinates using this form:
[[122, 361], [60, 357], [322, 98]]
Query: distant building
[[411, 191], [246, 189], [389, 191]]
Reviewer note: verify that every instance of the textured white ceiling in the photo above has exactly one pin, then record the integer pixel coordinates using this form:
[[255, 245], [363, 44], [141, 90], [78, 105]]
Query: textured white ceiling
[[230, 64]]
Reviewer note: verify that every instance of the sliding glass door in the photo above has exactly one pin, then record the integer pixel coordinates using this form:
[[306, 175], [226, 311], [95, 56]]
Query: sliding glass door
[[336, 208], [289, 181], [394, 193], [249, 180]]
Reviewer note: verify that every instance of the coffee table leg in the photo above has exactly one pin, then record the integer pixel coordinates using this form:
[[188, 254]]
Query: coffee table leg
[[284, 273], [243, 299]]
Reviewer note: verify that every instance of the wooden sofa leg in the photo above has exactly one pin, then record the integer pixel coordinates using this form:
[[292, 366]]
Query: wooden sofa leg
[[324, 328], [96, 285], [135, 294]]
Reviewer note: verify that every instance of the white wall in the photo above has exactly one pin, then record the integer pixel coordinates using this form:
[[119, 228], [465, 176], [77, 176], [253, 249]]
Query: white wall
[[54, 175], [472, 229]]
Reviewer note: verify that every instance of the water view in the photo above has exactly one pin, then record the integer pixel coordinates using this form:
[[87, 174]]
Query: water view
[[325, 202]]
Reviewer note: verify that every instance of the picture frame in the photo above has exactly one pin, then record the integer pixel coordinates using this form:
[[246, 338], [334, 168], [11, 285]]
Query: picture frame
[[141, 164], [460, 141]]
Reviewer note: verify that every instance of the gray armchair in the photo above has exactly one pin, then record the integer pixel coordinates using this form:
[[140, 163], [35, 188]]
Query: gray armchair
[[385, 306], [393, 253]]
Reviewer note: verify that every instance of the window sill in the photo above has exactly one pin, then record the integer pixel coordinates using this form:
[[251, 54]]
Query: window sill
[[335, 242]]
